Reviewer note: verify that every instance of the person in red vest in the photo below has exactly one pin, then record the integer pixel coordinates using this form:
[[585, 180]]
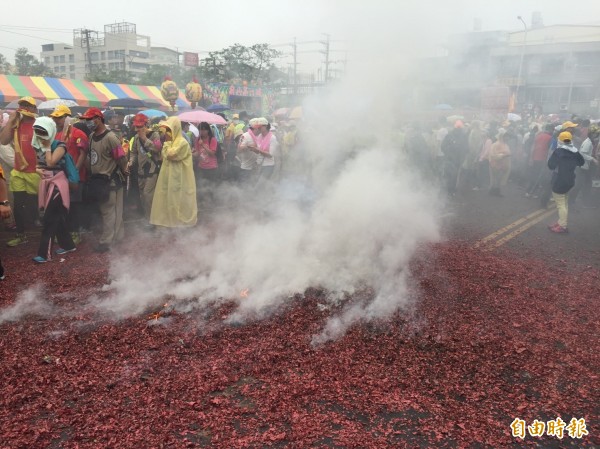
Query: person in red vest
[[24, 180], [77, 146]]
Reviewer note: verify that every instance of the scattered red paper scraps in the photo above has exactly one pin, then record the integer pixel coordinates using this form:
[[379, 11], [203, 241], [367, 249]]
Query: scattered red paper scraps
[[454, 371]]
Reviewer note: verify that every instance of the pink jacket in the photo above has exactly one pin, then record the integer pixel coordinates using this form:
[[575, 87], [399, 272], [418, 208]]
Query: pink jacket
[[46, 190]]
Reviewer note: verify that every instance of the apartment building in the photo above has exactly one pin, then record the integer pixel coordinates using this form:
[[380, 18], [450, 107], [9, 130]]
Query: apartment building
[[118, 47]]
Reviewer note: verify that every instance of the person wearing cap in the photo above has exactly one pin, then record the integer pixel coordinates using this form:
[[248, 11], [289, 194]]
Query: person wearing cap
[[107, 161], [77, 146], [563, 161], [145, 160], [174, 204], [266, 149], [24, 180], [59, 115], [567, 126], [246, 153]]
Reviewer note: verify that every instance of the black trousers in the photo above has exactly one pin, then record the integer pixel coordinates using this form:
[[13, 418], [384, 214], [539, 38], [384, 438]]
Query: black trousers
[[536, 172], [55, 225], [24, 209]]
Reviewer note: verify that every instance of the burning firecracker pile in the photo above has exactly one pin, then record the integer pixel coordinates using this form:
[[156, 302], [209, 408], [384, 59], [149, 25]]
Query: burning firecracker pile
[[489, 340]]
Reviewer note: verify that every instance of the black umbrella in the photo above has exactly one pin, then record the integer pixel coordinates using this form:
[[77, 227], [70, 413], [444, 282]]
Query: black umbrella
[[217, 108], [130, 103]]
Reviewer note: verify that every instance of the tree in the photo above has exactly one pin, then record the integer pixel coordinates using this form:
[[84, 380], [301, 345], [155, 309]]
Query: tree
[[155, 75], [5, 67], [114, 76], [239, 63], [28, 65]]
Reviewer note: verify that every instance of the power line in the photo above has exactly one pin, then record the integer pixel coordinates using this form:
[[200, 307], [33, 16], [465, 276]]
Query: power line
[[29, 35]]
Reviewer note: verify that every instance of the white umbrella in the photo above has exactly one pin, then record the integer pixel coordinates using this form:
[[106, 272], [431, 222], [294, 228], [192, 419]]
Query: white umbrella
[[194, 130], [51, 104], [513, 117]]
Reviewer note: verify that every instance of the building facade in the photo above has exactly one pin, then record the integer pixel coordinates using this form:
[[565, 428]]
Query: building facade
[[544, 70], [559, 68], [119, 47]]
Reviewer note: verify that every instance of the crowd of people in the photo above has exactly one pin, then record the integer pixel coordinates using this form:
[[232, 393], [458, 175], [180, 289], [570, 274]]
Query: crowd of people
[[68, 173], [548, 161]]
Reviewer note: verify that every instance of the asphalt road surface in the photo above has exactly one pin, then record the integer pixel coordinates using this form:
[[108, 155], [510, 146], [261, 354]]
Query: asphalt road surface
[[519, 224]]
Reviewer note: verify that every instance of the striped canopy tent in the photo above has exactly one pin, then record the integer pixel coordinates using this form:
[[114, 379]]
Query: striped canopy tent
[[85, 93]]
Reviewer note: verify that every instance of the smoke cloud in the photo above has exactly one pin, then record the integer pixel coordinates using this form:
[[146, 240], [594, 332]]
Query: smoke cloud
[[349, 214], [29, 302]]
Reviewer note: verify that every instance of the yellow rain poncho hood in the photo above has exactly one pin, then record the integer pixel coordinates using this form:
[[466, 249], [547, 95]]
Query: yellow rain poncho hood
[[174, 203]]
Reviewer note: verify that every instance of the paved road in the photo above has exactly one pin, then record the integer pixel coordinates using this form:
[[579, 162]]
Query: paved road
[[518, 224]]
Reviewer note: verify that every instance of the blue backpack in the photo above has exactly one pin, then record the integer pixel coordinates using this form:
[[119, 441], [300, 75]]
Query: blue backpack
[[67, 164]]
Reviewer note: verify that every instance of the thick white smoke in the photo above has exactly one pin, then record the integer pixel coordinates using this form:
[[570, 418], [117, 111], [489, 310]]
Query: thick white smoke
[[30, 301], [353, 216]]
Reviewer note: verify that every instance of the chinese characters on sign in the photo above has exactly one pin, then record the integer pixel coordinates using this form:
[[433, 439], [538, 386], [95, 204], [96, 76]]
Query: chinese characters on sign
[[190, 59], [555, 428]]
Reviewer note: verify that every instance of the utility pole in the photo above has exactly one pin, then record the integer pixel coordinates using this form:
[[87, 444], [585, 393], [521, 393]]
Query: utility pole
[[87, 32], [521, 61], [326, 52], [295, 66]]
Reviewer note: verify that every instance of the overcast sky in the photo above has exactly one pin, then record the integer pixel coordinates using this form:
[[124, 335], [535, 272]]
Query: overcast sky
[[200, 26]]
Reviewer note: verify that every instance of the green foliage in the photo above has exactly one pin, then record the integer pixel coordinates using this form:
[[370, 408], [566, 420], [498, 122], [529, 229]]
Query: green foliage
[[238, 62], [28, 65], [233, 64], [114, 76], [155, 75], [5, 67]]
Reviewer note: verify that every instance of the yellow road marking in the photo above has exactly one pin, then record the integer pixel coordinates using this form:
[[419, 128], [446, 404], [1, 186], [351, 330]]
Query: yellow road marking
[[507, 228], [518, 231]]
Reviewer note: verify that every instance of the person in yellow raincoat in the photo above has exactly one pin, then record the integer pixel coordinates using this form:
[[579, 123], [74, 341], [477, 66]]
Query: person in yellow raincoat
[[174, 203]]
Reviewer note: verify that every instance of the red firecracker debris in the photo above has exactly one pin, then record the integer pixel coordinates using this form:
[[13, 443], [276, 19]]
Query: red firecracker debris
[[490, 339]]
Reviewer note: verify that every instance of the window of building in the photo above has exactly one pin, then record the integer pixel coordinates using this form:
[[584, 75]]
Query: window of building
[[62, 58], [111, 54], [71, 68], [63, 69], [94, 56], [56, 60], [71, 58], [534, 66], [552, 64], [582, 94], [47, 60], [103, 55]]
